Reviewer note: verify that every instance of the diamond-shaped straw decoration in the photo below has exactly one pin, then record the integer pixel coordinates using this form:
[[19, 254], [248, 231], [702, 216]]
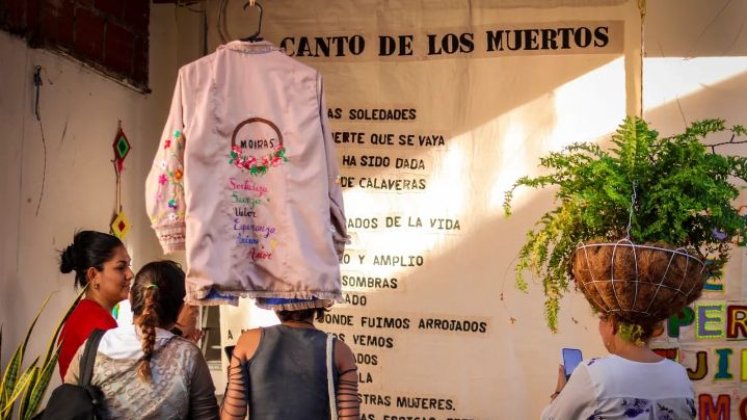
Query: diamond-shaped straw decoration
[[120, 225], [121, 148]]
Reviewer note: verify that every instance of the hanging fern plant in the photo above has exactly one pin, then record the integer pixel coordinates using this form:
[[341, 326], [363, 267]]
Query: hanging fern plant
[[646, 189]]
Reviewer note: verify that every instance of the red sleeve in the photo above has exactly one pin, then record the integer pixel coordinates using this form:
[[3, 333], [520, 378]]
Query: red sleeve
[[86, 317]]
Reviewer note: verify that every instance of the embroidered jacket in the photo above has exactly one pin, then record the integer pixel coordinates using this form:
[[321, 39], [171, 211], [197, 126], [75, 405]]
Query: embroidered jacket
[[245, 178]]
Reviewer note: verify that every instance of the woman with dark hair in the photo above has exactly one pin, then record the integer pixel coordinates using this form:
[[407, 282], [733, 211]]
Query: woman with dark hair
[[102, 266], [144, 370], [282, 372]]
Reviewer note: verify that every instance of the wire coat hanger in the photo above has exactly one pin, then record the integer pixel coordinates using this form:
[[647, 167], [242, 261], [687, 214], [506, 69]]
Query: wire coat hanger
[[255, 36]]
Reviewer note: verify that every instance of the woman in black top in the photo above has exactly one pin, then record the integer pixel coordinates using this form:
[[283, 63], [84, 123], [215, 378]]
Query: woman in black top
[[280, 373]]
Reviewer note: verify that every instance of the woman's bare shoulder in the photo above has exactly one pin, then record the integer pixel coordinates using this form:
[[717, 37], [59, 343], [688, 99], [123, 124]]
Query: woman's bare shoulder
[[247, 344], [344, 356]]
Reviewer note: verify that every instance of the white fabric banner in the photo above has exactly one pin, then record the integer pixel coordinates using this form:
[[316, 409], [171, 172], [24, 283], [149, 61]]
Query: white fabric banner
[[437, 108]]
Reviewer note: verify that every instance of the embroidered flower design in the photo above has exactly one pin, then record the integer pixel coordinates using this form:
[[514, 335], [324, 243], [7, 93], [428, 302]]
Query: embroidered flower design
[[173, 217], [178, 174], [167, 144], [163, 179], [164, 164], [249, 163], [177, 134], [665, 413], [636, 407], [172, 203], [596, 415]]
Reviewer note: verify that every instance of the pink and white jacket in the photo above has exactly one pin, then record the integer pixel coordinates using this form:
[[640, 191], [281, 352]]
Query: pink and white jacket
[[245, 179]]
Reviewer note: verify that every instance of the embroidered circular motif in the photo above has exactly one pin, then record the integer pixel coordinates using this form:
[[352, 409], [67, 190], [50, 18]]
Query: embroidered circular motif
[[255, 148]]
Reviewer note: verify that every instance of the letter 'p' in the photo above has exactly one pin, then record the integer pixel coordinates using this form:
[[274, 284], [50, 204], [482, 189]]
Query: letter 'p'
[[683, 318]]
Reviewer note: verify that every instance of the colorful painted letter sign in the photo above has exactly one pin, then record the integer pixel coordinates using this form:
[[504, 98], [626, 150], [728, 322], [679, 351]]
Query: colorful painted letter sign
[[710, 339]]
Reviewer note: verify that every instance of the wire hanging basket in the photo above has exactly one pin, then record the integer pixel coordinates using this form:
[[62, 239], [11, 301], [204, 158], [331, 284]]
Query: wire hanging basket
[[637, 281]]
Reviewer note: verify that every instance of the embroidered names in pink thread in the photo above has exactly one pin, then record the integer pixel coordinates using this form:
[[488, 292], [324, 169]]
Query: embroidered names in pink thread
[[247, 185], [259, 254], [257, 230], [250, 234]]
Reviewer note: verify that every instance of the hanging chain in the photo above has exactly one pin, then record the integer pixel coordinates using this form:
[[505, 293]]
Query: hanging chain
[[631, 212], [642, 10]]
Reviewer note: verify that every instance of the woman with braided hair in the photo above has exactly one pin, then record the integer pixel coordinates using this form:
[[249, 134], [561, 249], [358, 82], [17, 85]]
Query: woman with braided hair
[[144, 370], [291, 371]]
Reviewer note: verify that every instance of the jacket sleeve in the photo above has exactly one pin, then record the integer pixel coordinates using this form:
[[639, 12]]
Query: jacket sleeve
[[338, 226], [164, 187]]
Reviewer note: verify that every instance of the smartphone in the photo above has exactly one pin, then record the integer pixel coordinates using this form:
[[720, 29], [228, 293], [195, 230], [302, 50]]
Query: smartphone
[[571, 358]]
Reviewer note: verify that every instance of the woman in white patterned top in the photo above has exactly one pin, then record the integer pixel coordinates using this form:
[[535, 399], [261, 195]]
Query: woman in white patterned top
[[145, 371], [632, 383]]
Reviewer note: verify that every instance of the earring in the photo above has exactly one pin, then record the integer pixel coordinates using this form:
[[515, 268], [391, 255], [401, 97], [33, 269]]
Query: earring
[[96, 286]]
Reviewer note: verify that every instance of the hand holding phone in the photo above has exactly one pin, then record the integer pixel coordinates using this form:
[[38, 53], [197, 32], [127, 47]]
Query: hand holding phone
[[571, 359]]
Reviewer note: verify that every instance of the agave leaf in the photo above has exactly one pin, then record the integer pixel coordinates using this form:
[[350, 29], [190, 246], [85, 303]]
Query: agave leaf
[[11, 375], [39, 388], [33, 323], [27, 392], [38, 377], [20, 387], [14, 366], [53, 346]]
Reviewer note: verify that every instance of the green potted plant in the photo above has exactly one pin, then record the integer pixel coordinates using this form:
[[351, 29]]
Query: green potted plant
[[22, 390], [640, 226]]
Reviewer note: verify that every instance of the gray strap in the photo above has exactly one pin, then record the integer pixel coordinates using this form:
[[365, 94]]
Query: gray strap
[[330, 378], [89, 357]]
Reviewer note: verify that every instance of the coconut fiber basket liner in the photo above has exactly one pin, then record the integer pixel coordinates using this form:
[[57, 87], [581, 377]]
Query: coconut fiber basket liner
[[637, 281]]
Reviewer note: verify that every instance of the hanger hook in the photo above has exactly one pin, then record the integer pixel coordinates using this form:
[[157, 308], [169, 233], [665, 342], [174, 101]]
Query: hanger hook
[[255, 35]]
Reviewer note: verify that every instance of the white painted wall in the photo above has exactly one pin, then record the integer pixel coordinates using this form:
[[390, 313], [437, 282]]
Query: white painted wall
[[79, 111], [697, 67]]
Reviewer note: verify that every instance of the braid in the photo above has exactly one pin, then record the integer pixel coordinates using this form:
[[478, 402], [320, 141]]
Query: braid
[[147, 322], [157, 296]]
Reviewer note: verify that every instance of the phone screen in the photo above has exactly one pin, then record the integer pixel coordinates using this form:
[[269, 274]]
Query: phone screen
[[571, 358]]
